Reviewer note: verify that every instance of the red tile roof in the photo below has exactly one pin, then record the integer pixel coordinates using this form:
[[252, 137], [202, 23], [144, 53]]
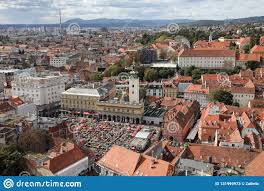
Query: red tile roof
[[257, 49], [196, 88], [248, 57], [120, 160], [207, 53], [201, 44], [222, 155], [244, 41], [65, 159], [16, 101], [128, 163], [256, 167]]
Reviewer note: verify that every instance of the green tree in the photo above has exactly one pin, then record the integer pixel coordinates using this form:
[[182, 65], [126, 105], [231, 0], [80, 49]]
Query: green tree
[[165, 73], [96, 77], [252, 65], [163, 54], [162, 38], [221, 96], [140, 70], [150, 75], [247, 49], [236, 70], [196, 74], [35, 140], [146, 39], [113, 70], [123, 63], [12, 162], [188, 71]]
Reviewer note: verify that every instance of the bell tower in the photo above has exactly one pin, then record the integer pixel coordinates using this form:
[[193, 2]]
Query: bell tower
[[133, 86]]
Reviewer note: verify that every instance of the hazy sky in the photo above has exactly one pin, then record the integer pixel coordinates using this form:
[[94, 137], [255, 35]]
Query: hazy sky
[[46, 11]]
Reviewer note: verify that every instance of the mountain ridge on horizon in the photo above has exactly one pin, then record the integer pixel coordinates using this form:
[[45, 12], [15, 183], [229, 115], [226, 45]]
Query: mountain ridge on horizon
[[106, 22], [160, 22]]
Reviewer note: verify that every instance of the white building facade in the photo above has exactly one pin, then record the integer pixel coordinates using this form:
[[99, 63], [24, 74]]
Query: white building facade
[[207, 59], [58, 61], [41, 90], [154, 89], [134, 88]]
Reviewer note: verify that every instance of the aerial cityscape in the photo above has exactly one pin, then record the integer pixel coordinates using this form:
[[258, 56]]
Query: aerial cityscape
[[131, 88]]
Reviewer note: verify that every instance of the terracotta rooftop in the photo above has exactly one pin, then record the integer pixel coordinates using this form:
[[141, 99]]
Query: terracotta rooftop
[[121, 160], [256, 167], [196, 88], [201, 44], [257, 103], [249, 57], [257, 49], [222, 155], [207, 53], [128, 163], [16, 101], [65, 159], [244, 41]]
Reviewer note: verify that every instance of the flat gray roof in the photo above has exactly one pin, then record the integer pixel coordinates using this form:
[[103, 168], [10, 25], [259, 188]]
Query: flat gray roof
[[82, 92]]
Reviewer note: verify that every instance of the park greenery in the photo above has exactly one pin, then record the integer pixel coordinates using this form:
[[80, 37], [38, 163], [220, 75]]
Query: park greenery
[[35, 140], [96, 76], [221, 96], [12, 162]]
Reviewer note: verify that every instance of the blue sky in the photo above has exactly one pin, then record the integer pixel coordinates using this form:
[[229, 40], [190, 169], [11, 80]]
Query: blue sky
[[46, 11]]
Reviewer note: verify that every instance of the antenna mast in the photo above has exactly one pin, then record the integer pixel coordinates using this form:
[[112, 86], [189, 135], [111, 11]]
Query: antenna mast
[[60, 24]]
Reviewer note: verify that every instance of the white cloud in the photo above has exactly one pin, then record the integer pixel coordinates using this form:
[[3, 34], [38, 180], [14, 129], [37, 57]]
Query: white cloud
[[46, 11]]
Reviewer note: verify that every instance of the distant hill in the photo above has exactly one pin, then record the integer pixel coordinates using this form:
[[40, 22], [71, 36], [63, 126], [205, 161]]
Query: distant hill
[[230, 21], [95, 23], [158, 23], [249, 20], [125, 22]]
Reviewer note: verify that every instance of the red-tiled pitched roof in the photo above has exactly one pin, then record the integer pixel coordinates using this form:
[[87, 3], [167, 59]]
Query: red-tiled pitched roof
[[222, 155], [256, 167], [121, 160], [129, 163], [207, 53], [66, 159], [196, 88], [257, 49], [16, 101], [249, 57]]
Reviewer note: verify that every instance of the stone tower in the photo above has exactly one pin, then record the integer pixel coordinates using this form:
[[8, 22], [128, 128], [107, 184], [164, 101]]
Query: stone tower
[[133, 87]]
